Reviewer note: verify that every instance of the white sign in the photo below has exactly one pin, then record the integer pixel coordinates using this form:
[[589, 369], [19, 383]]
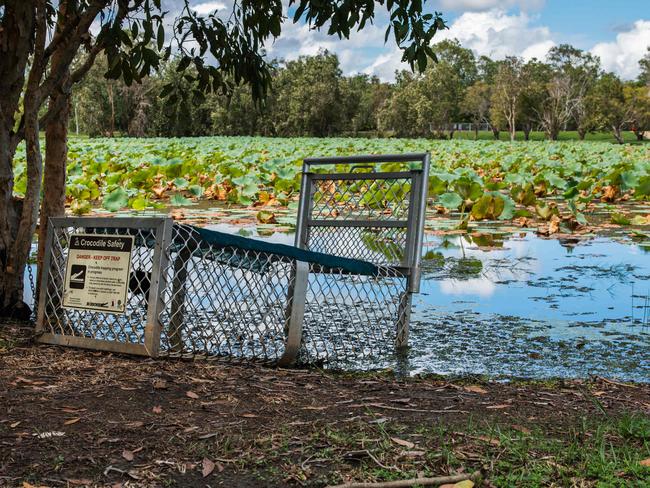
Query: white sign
[[97, 272]]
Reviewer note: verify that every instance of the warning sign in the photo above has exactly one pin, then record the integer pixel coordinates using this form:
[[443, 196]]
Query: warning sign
[[97, 272]]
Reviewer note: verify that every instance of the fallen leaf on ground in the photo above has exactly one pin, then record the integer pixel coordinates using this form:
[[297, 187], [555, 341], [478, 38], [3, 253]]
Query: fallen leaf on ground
[[207, 467], [645, 462], [157, 409], [464, 484], [521, 428], [413, 453], [402, 442], [460, 484], [249, 415], [475, 389], [191, 394], [72, 421], [490, 440], [80, 482], [128, 455], [497, 407], [15, 424]]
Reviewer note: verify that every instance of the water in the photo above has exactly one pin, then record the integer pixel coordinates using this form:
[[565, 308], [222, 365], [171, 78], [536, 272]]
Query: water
[[533, 308], [516, 305]]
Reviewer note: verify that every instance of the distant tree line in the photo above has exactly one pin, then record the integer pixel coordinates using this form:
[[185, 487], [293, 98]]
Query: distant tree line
[[311, 97]]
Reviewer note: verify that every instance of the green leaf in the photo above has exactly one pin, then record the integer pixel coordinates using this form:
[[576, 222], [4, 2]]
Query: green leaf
[[195, 190], [619, 219], [546, 211], [630, 179], [181, 183], [509, 206], [178, 200], [450, 200], [139, 203], [116, 200]]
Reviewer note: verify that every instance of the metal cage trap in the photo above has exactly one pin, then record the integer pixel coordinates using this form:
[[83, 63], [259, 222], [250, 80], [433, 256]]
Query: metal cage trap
[[340, 296]]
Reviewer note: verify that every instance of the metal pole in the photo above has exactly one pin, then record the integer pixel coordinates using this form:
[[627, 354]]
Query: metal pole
[[304, 209], [297, 297], [175, 329], [158, 284]]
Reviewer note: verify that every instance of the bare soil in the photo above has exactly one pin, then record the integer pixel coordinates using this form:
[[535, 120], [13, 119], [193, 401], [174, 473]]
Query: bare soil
[[78, 418]]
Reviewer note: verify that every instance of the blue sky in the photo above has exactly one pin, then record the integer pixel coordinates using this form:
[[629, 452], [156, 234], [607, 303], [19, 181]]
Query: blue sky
[[618, 31]]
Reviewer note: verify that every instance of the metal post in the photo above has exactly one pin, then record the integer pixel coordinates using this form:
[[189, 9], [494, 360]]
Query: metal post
[[304, 209], [45, 279], [158, 284], [177, 312], [403, 320], [297, 297]]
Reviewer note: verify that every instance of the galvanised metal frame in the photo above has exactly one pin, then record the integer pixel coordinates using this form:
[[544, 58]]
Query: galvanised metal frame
[[321, 307], [414, 223], [162, 229]]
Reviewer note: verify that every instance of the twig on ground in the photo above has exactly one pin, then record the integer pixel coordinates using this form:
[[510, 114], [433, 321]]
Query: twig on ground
[[401, 409], [366, 452], [618, 383], [440, 480]]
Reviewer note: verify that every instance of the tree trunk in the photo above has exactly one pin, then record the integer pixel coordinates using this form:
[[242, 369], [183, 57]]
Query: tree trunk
[[15, 47], [527, 129], [476, 132], [617, 134], [18, 254], [112, 103], [639, 134], [495, 133], [553, 133], [582, 133], [54, 173]]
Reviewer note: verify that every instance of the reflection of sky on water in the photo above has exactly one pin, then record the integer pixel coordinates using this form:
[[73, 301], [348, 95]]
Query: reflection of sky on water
[[541, 279], [534, 308]]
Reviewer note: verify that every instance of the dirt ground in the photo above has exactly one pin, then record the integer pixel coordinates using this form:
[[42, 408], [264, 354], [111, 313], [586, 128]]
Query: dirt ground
[[77, 418]]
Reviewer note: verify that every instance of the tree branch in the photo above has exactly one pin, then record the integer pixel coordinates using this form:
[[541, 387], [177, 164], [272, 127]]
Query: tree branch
[[440, 480]]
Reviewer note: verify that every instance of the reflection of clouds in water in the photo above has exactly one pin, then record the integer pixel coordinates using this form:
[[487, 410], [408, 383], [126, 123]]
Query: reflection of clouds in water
[[483, 287]]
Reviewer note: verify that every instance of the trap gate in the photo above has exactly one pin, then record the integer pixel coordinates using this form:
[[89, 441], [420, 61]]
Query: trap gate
[[341, 295]]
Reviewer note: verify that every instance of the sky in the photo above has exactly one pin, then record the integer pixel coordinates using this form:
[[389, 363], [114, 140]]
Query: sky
[[618, 31]]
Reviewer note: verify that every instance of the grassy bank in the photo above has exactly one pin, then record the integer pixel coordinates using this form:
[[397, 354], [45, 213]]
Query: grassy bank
[[77, 418]]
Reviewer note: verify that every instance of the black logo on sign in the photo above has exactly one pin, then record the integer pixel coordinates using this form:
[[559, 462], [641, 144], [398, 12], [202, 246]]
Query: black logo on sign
[[78, 276]]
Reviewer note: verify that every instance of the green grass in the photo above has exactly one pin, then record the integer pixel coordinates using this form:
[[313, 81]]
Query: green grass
[[600, 452], [628, 137]]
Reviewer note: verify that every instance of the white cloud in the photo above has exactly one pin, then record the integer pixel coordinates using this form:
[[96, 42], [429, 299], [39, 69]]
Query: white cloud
[[498, 34], [354, 53], [208, 7], [482, 5], [483, 287], [622, 55], [494, 33]]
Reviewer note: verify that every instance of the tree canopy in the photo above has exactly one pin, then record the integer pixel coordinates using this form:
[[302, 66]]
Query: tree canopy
[[48, 46]]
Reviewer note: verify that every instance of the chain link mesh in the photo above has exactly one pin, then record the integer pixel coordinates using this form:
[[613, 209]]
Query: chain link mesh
[[351, 319], [360, 198], [236, 303], [125, 328], [223, 301]]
